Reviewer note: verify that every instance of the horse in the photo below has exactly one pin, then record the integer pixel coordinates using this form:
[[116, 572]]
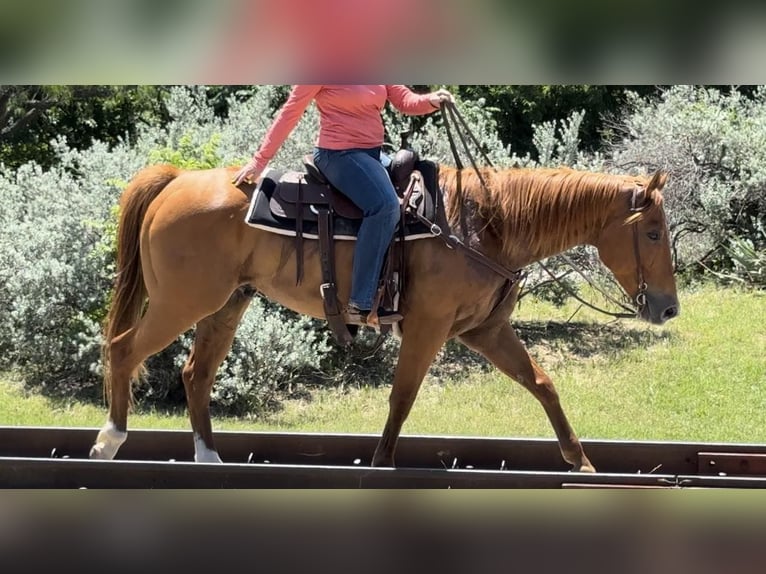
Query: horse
[[186, 257]]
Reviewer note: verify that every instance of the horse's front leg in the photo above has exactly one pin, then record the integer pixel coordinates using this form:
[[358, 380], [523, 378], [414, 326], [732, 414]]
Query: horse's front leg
[[421, 341], [500, 344]]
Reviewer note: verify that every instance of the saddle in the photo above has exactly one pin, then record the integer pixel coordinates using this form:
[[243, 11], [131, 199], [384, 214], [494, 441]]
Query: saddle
[[308, 201]]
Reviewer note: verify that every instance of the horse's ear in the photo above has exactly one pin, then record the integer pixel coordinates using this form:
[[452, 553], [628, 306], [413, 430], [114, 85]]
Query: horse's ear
[[657, 182]]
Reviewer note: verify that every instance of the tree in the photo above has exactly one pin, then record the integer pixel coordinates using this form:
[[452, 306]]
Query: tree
[[519, 108], [32, 116]]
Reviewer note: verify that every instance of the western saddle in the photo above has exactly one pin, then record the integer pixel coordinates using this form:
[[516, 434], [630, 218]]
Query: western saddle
[[309, 197]]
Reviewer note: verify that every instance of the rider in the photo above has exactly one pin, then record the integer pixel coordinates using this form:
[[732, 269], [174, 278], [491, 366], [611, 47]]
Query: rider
[[348, 152]]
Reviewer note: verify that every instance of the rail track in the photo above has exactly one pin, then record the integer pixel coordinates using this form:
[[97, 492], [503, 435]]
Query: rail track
[[47, 457]]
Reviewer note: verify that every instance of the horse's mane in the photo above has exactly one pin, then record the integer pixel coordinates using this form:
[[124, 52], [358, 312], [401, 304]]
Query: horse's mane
[[546, 208]]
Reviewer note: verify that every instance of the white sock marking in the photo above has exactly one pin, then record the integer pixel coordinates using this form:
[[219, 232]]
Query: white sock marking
[[202, 453], [108, 442]]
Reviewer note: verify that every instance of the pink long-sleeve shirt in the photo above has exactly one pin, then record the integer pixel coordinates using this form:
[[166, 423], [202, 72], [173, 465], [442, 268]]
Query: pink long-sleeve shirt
[[349, 116]]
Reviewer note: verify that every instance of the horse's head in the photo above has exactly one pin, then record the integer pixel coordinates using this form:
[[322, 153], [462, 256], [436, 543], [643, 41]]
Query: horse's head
[[635, 245]]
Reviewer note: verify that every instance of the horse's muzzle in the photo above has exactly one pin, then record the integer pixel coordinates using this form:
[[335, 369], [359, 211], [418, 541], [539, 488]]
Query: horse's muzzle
[[660, 308], [669, 313]]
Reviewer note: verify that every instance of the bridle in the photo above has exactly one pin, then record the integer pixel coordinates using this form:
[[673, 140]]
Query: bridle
[[640, 299], [450, 112]]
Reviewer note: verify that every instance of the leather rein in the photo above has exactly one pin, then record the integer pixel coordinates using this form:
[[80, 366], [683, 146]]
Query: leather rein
[[441, 228], [450, 113]]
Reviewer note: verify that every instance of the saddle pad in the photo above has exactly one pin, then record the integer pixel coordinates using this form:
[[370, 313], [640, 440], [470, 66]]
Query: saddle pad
[[260, 216]]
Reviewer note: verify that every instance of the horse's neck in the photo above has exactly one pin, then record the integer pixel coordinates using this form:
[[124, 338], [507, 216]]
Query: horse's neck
[[524, 250], [524, 245], [529, 249], [468, 224]]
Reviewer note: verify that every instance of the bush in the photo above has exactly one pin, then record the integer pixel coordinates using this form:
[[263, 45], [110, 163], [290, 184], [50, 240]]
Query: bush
[[55, 268], [57, 229], [57, 232], [713, 144], [744, 262]]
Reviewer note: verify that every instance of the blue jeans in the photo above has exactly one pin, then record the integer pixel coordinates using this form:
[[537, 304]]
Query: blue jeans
[[360, 175]]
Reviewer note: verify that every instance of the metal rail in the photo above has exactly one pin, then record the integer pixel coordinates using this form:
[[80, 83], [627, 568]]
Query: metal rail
[[43, 457]]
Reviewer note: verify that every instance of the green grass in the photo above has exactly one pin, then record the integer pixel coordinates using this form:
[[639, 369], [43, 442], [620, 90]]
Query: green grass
[[700, 378]]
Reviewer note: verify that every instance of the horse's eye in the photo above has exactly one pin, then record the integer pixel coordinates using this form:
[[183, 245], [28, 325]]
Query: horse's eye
[[653, 235]]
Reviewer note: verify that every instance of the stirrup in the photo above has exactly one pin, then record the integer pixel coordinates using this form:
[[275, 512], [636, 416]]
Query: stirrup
[[358, 316]]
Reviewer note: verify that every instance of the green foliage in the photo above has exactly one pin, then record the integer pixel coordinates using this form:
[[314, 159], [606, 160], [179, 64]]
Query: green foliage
[[58, 217], [558, 141], [56, 263], [33, 117], [188, 155], [713, 145], [744, 261], [519, 109]]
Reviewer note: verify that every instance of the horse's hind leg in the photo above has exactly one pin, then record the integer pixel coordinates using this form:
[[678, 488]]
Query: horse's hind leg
[[501, 345], [160, 326], [212, 342]]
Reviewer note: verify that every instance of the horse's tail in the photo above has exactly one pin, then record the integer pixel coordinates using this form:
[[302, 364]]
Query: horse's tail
[[129, 291]]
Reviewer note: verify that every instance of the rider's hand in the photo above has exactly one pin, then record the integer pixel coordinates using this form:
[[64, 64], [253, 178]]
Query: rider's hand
[[247, 174], [439, 96]]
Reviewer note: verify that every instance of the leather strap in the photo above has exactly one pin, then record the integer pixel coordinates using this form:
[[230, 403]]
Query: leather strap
[[455, 243], [402, 280], [451, 110], [450, 138], [299, 237], [328, 289]]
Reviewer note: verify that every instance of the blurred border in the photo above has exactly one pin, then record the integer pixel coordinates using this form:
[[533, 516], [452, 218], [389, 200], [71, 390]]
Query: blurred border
[[424, 42], [428, 42], [379, 531]]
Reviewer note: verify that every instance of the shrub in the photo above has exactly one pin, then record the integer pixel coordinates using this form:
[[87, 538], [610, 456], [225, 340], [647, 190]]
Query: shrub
[[54, 264], [744, 261], [57, 229], [713, 144]]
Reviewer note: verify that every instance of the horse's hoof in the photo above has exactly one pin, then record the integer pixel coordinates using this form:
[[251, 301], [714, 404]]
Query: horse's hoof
[[100, 451], [204, 454], [108, 442], [586, 467], [383, 462]]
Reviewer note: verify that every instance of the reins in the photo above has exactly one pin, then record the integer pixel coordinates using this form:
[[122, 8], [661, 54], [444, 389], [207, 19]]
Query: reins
[[572, 293], [454, 242], [449, 109], [441, 229], [452, 115]]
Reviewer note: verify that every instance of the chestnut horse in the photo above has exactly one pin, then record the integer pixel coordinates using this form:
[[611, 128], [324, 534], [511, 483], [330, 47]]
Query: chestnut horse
[[183, 245]]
